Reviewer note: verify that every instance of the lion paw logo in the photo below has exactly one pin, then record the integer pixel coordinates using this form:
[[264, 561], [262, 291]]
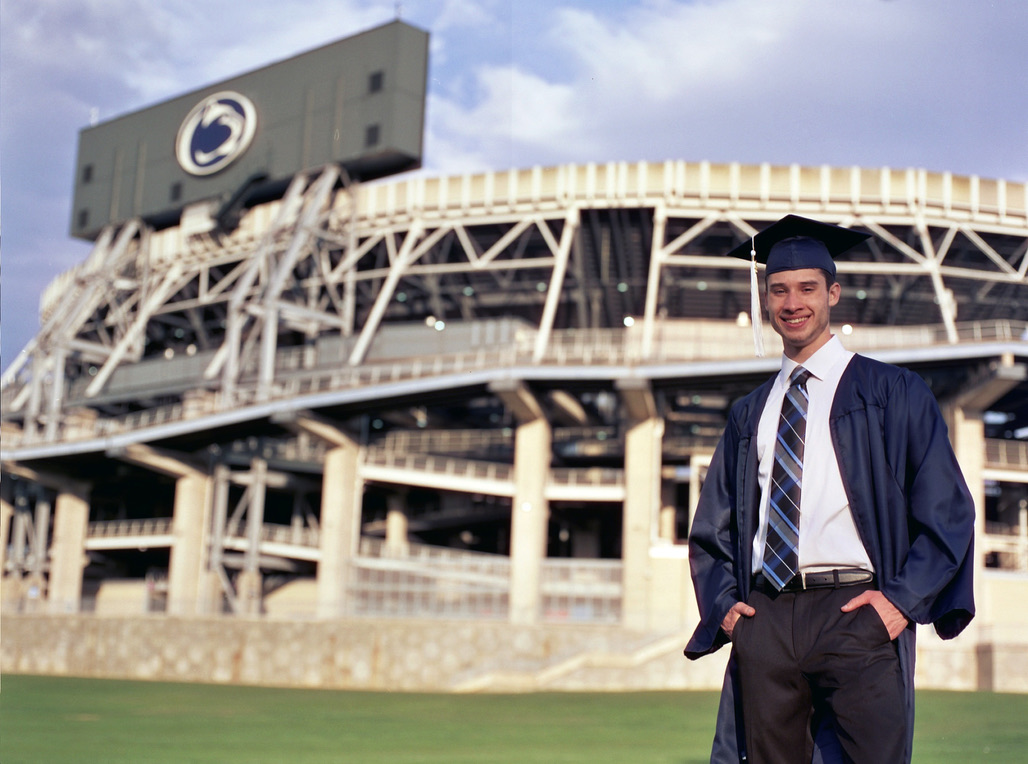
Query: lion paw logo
[[215, 133]]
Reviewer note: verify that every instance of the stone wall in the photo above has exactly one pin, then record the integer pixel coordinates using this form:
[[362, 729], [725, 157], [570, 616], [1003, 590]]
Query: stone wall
[[415, 655], [352, 654]]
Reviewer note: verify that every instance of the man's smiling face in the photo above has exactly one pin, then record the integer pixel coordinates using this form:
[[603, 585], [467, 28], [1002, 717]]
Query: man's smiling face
[[799, 304]]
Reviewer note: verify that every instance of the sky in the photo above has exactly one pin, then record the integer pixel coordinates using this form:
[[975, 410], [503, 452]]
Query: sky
[[934, 84]]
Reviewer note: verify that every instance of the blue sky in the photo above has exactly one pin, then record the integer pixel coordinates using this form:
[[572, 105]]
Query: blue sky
[[938, 84]]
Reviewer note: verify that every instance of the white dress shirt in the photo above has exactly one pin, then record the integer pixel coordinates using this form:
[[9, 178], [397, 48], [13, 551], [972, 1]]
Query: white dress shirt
[[828, 535]]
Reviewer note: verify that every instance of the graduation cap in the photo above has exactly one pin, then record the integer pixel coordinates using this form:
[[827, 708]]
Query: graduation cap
[[790, 244]]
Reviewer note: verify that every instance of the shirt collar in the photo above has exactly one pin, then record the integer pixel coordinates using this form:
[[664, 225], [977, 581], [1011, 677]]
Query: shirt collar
[[819, 364]]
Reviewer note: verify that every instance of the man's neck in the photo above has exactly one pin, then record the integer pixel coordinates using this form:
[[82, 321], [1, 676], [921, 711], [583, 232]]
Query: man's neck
[[800, 355]]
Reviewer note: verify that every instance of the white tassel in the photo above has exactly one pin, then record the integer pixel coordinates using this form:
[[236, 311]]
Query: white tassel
[[755, 320]]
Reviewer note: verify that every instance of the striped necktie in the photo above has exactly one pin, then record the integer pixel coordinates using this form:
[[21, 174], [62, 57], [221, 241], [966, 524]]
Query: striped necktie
[[781, 557]]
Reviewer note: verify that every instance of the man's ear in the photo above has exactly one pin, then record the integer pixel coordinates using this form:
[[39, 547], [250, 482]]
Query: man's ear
[[834, 293]]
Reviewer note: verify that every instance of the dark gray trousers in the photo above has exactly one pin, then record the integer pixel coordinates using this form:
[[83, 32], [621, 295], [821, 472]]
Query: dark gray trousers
[[801, 656]]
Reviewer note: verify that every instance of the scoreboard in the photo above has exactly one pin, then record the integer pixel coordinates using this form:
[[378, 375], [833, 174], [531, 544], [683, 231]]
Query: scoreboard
[[358, 102]]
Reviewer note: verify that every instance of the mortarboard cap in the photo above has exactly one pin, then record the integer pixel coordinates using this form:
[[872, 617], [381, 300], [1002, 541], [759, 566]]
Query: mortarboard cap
[[791, 244], [795, 242]]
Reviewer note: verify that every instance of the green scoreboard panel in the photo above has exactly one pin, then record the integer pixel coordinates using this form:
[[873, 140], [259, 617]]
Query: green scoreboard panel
[[358, 102]]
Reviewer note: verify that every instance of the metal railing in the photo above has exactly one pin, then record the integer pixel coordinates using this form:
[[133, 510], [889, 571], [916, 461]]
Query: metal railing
[[676, 341], [144, 528], [1006, 454], [587, 476], [446, 441], [289, 535], [866, 337], [1005, 547], [162, 526], [582, 590], [694, 185], [441, 465], [427, 581]]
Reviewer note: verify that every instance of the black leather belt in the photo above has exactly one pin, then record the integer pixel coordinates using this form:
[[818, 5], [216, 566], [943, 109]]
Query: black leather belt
[[825, 579]]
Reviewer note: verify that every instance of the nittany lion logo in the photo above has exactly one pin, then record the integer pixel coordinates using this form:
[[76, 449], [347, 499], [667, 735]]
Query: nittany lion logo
[[216, 132]]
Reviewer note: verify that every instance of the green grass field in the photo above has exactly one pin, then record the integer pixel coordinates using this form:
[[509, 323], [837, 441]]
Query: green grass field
[[54, 720]]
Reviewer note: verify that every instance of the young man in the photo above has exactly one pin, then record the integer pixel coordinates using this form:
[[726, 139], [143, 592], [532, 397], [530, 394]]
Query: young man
[[833, 518]]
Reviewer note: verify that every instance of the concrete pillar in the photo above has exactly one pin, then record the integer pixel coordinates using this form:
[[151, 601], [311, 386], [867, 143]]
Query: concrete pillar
[[216, 563], [642, 501], [668, 511], [68, 551], [530, 514], [297, 522], [698, 465], [37, 534], [6, 517], [397, 543], [19, 540], [585, 540], [250, 581], [189, 584], [341, 493], [967, 436]]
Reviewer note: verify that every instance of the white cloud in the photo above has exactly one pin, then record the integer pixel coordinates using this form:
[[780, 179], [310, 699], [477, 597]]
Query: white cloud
[[924, 83], [515, 109], [461, 14], [871, 82]]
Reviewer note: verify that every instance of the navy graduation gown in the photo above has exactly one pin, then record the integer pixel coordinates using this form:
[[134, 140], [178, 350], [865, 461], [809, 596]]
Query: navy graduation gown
[[911, 505]]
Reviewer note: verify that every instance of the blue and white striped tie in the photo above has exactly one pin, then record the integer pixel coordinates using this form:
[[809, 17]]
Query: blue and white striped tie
[[781, 557]]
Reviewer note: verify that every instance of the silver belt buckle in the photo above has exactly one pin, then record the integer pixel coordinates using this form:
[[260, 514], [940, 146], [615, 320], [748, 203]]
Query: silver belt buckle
[[803, 580]]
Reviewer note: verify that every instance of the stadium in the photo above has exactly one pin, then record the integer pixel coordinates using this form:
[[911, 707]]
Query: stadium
[[300, 418]]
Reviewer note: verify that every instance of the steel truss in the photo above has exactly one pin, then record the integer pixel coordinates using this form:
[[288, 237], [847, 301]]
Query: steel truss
[[239, 528], [315, 291], [590, 247]]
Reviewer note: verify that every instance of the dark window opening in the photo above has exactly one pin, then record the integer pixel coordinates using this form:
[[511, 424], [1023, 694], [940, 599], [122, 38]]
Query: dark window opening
[[83, 218], [371, 136], [376, 81], [87, 174], [176, 192]]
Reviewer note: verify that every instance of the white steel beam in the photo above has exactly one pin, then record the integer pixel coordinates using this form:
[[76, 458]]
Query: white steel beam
[[407, 255], [657, 258], [563, 252], [133, 334]]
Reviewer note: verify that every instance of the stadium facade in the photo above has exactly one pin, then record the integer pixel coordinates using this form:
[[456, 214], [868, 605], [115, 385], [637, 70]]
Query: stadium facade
[[471, 404]]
